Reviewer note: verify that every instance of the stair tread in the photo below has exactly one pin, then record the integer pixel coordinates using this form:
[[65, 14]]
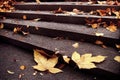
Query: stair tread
[[81, 29], [65, 47]]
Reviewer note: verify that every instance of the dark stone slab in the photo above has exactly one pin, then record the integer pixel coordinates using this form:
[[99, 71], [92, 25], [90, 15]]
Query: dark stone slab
[[64, 5], [70, 31], [109, 67], [12, 57], [62, 18]]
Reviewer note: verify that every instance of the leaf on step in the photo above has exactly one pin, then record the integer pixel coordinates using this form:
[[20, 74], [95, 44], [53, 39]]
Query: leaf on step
[[99, 34], [112, 28], [37, 19], [86, 61], [25, 33], [22, 67], [24, 17], [59, 10], [117, 58], [66, 59], [95, 25], [16, 29], [98, 42], [10, 72], [1, 26], [117, 13], [38, 1], [118, 46], [44, 63], [75, 45]]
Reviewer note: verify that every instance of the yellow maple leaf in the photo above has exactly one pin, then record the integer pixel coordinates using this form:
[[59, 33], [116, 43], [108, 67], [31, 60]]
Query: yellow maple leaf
[[45, 64], [86, 61], [117, 58]]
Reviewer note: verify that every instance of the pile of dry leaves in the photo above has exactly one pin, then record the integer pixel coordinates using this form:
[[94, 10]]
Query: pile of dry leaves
[[7, 5]]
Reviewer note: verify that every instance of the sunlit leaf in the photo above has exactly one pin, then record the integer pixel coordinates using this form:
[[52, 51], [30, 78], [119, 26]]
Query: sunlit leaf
[[24, 17], [1, 26], [112, 28], [99, 34], [95, 25], [75, 45], [37, 19], [59, 10], [38, 1], [16, 29], [117, 58], [86, 61], [44, 63], [98, 42], [54, 70], [25, 33], [118, 46], [10, 72]]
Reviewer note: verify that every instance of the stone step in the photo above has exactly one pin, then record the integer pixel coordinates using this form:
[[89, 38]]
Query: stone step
[[70, 31], [51, 17], [46, 6], [108, 68]]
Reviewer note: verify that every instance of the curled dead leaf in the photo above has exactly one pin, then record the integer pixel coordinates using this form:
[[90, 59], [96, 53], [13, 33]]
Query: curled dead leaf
[[117, 58], [16, 29], [24, 17], [98, 42], [118, 46], [1, 25], [112, 28], [59, 10], [75, 45], [22, 67]]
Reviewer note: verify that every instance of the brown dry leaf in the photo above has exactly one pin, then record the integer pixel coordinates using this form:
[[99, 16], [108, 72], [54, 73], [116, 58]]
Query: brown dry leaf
[[22, 67], [94, 25], [16, 29], [24, 17], [38, 1], [86, 61], [112, 28], [66, 59], [45, 64], [102, 12], [1, 26], [99, 34], [98, 42], [118, 46], [101, 2], [104, 46], [75, 45], [59, 10], [117, 58]]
